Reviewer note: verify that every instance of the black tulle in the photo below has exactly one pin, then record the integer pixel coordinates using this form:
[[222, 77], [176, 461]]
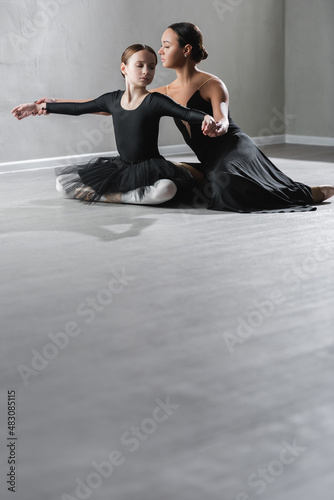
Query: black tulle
[[107, 175]]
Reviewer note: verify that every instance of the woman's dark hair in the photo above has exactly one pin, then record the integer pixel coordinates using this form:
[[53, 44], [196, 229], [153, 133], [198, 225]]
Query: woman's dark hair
[[189, 33], [137, 47]]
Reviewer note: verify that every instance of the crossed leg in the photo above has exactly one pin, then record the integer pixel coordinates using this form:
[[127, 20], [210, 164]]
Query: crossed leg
[[163, 190]]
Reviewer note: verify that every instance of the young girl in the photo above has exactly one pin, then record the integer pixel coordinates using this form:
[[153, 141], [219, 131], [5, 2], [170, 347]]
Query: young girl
[[139, 174]]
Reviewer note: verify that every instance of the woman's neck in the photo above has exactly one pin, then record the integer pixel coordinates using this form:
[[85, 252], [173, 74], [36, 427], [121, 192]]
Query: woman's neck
[[186, 74]]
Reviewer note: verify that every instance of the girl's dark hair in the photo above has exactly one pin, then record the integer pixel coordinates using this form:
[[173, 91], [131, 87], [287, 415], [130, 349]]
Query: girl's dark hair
[[189, 33], [137, 47]]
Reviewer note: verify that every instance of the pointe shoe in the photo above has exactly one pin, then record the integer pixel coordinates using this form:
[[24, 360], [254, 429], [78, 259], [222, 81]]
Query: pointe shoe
[[112, 198], [84, 193], [322, 193]]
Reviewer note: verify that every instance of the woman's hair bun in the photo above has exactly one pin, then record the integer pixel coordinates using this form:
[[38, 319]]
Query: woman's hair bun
[[189, 33], [204, 53]]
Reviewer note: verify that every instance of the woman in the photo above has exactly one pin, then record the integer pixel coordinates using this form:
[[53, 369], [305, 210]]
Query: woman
[[140, 174], [239, 176]]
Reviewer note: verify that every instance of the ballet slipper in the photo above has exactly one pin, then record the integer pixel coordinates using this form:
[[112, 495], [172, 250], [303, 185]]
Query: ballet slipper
[[322, 193], [112, 198], [84, 193]]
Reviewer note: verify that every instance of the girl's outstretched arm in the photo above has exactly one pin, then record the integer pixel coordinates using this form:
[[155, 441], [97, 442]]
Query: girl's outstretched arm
[[95, 106], [48, 99]]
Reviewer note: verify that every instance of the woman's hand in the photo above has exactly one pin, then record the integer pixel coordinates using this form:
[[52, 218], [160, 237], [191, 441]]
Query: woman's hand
[[29, 109], [44, 100], [221, 128], [208, 125]]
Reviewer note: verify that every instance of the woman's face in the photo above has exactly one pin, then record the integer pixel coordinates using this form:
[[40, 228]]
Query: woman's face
[[172, 55], [140, 68]]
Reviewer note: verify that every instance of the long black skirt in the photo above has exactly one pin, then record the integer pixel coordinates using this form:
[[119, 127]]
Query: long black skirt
[[241, 178]]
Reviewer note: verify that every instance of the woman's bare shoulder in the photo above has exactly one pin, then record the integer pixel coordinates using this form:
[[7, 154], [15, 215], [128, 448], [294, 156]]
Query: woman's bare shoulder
[[204, 77], [212, 84]]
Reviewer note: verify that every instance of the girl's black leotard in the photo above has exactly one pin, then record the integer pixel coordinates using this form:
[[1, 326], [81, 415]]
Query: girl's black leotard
[[239, 176], [139, 163]]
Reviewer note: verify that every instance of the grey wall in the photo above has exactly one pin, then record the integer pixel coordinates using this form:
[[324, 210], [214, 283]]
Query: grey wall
[[310, 67], [71, 49]]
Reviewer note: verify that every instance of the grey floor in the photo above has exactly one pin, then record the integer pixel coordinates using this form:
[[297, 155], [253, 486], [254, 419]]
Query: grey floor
[[162, 353]]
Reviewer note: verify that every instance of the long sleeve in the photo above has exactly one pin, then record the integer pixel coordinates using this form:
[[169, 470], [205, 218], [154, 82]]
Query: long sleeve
[[168, 107], [102, 103]]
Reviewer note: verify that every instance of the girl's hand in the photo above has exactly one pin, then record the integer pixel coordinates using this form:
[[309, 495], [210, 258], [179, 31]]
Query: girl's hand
[[29, 109], [208, 125]]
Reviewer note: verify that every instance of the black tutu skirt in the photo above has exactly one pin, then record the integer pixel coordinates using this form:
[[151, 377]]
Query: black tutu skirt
[[107, 175]]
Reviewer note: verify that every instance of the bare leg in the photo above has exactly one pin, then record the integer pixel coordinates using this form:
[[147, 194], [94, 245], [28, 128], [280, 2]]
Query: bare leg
[[197, 175]]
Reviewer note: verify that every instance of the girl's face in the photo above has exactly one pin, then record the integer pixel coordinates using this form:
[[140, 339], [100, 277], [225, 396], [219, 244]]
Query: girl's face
[[140, 68], [172, 55]]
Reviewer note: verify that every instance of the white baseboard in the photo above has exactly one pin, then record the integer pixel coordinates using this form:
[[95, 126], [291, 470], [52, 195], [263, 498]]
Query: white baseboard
[[173, 150], [269, 139], [58, 161], [309, 140]]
